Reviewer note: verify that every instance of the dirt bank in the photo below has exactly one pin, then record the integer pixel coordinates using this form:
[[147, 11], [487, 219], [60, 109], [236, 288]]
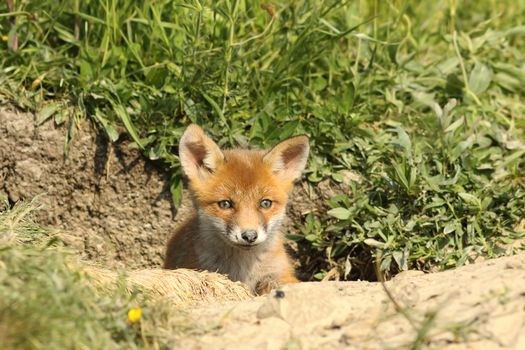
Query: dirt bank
[[479, 306], [118, 205]]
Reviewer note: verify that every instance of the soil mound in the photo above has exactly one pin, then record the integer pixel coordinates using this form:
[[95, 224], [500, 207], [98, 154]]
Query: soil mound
[[480, 306]]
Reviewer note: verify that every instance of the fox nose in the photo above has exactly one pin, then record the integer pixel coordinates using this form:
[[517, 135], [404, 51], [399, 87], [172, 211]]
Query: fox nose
[[249, 236]]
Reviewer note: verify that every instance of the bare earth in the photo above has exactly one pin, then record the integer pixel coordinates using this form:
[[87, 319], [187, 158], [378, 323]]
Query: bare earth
[[119, 207], [479, 306]]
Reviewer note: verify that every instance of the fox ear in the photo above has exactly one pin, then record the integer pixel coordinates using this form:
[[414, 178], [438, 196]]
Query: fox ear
[[288, 158], [199, 155]]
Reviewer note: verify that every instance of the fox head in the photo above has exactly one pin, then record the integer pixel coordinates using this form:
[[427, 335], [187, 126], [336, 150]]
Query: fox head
[[240, 194]]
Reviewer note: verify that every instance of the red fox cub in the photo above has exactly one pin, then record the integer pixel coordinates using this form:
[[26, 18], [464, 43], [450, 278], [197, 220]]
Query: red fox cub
[[240, 198]]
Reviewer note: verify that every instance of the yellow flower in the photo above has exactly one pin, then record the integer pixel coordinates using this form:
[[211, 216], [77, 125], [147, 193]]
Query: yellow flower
[[4, 38], [134, 315]]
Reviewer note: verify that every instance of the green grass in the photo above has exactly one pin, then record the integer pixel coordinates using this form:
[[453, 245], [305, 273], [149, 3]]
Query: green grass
[[422, 100], [46, 302]]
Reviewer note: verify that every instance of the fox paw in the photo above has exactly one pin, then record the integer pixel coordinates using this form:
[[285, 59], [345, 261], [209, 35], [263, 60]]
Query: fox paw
[[266, 285]]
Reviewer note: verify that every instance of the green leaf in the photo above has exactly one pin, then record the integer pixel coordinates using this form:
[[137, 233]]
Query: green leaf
[[448, 66], [386, 262], [47, 112], [401, 260], [86, 72], [60, 116], [108, 127], [450, 227], [470, 199], [511, 70], [454, 125], [340, 213], [176, 190], [214, 105], [374, 243], [311, 237], [480, 78], [320, 275], [288, 129], [518, 30], [337, 177], [155, 152], [402, 140], [124, 116]]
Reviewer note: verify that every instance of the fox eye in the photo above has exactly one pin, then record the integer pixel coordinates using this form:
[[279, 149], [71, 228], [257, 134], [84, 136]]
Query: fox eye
[[225, 204], [265, 203]]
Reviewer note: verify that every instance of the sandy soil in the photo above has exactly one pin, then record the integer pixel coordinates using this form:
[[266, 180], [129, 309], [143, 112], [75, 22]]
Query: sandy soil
[[479, 306]]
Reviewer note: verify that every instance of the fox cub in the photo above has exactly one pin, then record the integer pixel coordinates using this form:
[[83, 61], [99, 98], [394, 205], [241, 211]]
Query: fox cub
[[240, 198]]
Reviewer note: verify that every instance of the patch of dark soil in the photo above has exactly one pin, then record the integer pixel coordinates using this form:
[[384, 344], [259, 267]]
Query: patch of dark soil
[[117, 204]]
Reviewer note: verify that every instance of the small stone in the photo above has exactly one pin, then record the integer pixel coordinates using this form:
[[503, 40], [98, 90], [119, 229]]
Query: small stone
[[279, 294]]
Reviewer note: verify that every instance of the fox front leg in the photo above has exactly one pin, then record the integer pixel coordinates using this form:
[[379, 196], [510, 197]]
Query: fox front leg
[[266, 284]]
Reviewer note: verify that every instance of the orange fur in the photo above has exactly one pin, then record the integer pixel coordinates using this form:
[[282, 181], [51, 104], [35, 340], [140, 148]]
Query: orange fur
[[213, 237]]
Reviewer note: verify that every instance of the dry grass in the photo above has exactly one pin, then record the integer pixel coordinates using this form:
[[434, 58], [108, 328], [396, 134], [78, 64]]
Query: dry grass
[[182, 287]]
